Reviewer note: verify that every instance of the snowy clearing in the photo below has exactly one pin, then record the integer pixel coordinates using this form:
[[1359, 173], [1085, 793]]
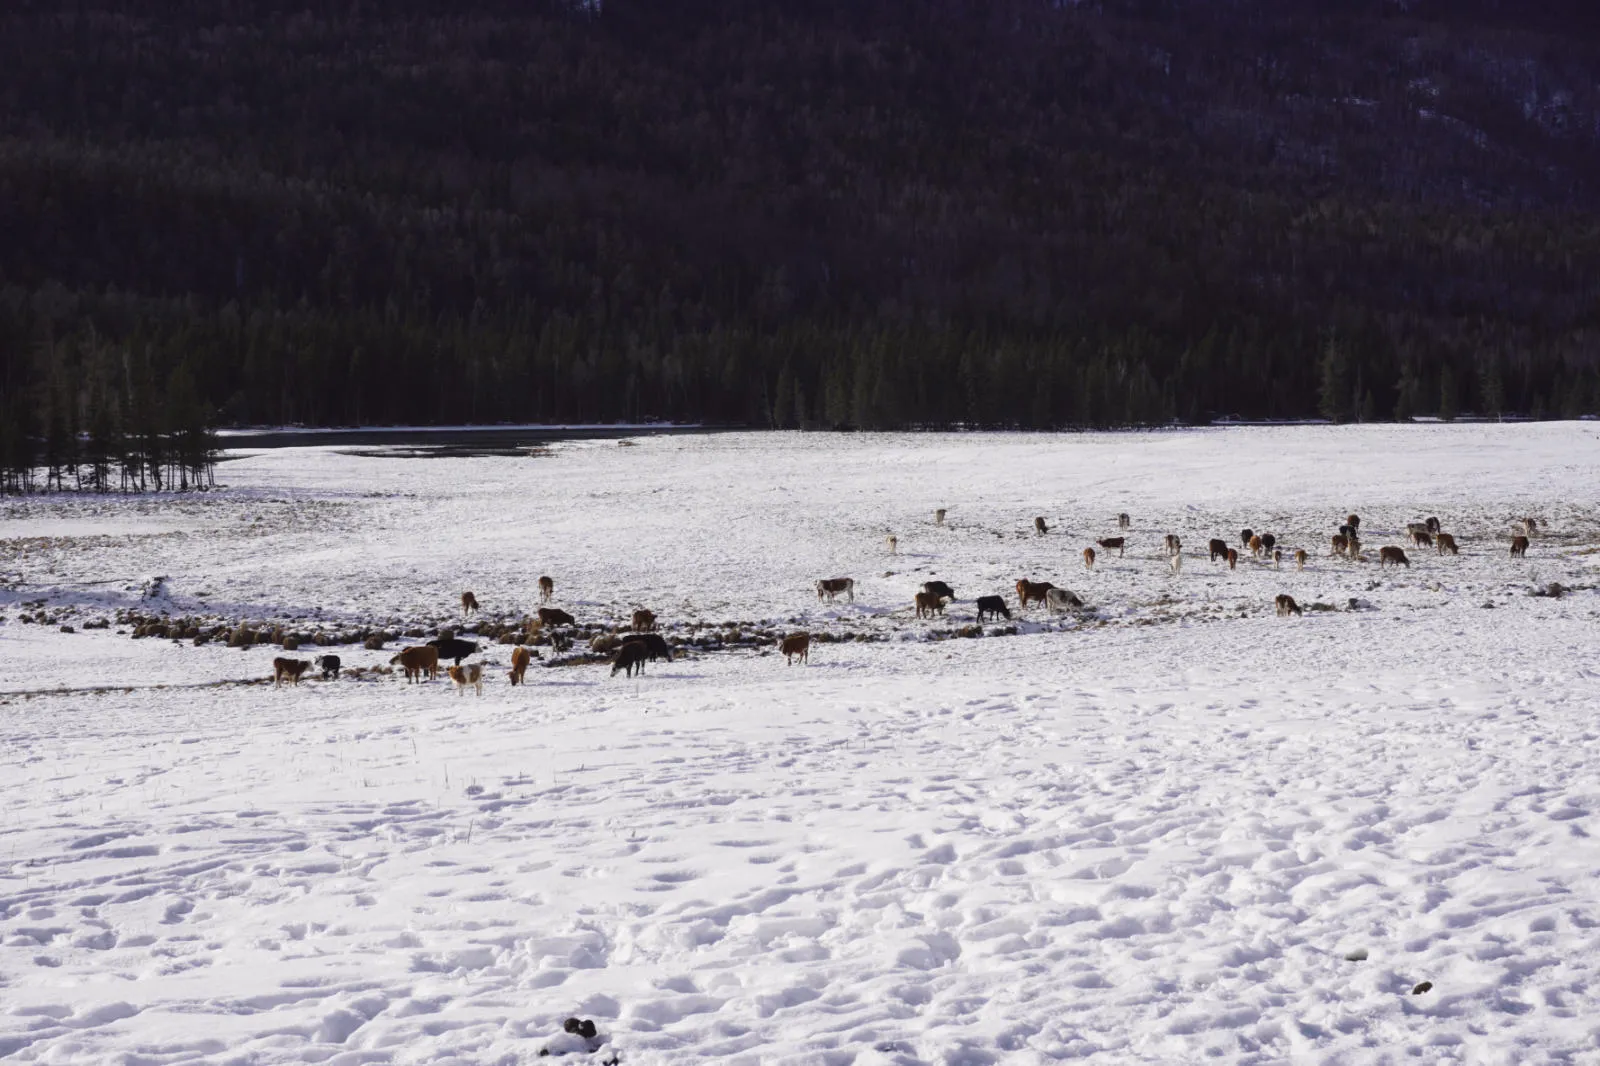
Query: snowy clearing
[[1170, 828]]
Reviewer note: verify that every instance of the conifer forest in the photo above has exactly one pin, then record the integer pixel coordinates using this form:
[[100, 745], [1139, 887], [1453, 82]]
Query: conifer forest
[[862, 214]]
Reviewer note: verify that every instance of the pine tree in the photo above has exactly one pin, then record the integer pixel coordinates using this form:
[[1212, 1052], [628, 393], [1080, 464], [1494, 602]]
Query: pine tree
[[1449, 402], [1333, 391]]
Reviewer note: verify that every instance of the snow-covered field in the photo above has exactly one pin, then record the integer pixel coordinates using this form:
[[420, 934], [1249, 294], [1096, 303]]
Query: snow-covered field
[[1173, 829]]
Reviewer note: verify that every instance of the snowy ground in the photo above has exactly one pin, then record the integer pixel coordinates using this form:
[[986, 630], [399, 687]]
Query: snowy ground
[[1165, 831]]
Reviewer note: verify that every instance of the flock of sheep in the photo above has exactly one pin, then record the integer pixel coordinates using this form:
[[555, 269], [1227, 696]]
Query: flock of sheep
[[642, 643]]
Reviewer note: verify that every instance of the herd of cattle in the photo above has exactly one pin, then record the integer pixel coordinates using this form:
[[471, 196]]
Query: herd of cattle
[[643, 644]]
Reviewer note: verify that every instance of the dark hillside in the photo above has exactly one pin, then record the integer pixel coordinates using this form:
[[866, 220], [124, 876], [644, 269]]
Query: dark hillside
[[868, 213]]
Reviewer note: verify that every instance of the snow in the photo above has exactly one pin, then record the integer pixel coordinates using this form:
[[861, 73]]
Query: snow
[[1164, 831]]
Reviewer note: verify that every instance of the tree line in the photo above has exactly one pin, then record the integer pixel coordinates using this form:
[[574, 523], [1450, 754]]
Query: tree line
[[876, 214]]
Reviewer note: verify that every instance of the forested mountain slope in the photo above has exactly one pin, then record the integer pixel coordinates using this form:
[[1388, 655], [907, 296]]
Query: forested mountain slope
[[864, 213]]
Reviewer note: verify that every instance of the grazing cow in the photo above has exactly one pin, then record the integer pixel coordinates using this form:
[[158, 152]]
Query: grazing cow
[[1519, 546], [1113, 542], [1530, 526], [1039, 527], [938, 517], [1341, 544], [1432, 524], [1393, 556], [893, 542], [1175, 562], [1062, 600], [329, 665], [1277, 558], [520, 658], [1353, 521], [1285, 606], [1124, 522], [829, 587], [550, 617], [465, 677], [1029, 591], [469, 604], [1244, 537], [992, 606], [631, 656], [1257, 548], [929, 605], [1088, 558], [1233, 558], [656, 646], [643, 621], [1269, 542], [1300, 558], [288, 669], [451, 648], [798, 646], [1421, 539], [1174, 545], [547, 589], [1219, 549], [939, 588], [1445, 542], [419, 662]]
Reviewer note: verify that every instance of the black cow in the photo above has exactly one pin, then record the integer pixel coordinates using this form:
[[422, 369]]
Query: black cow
[[655, 645], [631, 656], [939, 588], [452, 648], [991, 606], [329, 665]]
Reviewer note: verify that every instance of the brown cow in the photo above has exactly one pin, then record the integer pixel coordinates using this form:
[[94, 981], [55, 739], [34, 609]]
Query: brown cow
[[1257, 546], [829, 587], [1353, 548], [796, 646], [1285, 606], [1300, 558], [469, 604], [1277, 558], [555, 616], [929, 604], [417, 661], [1233, 558], [1392, 555], [1420, 538], [1032, 591], [547, 589], [1088, 558], [644, 621], [1519, 546], [1341, 544], [465, 677], [289, 669], [1039, 527], [1445, 542], [1219, 549], [1174, 545], [631, 656], [520, 658], [1113, 542], [1353, 521]]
